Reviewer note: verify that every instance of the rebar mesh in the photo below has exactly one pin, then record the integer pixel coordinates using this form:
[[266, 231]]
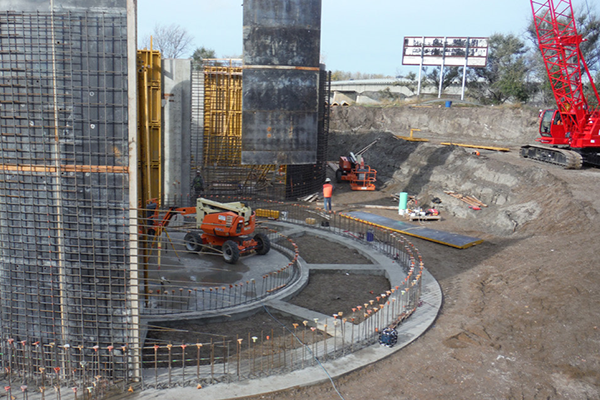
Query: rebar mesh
[[217, 104], [64, 219], [169, 293]]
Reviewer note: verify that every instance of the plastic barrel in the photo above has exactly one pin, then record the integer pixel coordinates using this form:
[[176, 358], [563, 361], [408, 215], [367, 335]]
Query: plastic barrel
[[370, 236], [403, 202], [448, 104]]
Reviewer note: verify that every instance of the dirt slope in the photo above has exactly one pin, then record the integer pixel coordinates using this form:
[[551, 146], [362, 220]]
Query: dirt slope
[[521, 311]]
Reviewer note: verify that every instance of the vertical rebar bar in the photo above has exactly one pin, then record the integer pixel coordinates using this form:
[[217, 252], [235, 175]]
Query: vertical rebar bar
[[156, 347], [183, 346], [198, 347], [212, 362], [239, 355], [169, 365]]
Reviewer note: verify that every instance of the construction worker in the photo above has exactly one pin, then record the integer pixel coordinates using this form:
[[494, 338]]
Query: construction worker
[[327, 192], [198, 184]]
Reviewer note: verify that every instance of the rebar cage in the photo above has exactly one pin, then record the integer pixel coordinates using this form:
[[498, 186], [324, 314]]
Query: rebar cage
[[217, 147], [64, 184]]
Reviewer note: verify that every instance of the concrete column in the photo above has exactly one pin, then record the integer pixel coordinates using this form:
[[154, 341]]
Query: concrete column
[[135, 342], [177, 121]]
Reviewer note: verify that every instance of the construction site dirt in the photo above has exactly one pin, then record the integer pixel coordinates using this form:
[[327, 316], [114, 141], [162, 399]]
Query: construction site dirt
[[521, 310]]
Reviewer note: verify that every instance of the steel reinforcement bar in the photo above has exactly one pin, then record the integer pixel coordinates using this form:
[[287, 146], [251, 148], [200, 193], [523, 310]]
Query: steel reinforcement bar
[[95, 371]]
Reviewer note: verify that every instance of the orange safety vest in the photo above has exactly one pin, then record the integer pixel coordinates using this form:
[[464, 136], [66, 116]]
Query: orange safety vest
[[327, 190]]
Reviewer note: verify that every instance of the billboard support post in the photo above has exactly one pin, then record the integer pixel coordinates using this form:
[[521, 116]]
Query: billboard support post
[[442, 70], [421, 67], [462, 93]]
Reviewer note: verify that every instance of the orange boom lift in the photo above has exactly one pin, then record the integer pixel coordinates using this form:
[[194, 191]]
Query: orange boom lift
[[353, 169], [222, 228]]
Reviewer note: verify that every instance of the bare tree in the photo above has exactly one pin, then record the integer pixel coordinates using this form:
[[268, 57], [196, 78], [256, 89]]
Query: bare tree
[[173, 41]]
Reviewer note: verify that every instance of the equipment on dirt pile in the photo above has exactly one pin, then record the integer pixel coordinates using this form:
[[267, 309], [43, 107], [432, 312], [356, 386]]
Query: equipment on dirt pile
[[572, 132], [353, 169], [221, 228]]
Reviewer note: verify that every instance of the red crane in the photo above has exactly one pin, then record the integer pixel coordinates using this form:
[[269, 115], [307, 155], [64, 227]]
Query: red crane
[[572, 131]]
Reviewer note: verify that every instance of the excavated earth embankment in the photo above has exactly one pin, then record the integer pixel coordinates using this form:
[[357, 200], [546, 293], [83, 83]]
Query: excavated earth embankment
[[521, 311], [521, 195]]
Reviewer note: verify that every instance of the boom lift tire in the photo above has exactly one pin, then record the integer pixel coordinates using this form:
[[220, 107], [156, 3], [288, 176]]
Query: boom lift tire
[[193, 242], [231, 252], [338, 176], [263, 244]]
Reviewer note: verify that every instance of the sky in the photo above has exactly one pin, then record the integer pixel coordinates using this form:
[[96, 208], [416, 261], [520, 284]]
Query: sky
[[356, 35]]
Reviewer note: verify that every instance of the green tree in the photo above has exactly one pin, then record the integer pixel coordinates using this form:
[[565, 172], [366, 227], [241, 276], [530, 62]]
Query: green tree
[[452, 75], [345, 76], [411, 76], [340, 75], [409, 81], [202, 53], [504, 79], [590, 94]]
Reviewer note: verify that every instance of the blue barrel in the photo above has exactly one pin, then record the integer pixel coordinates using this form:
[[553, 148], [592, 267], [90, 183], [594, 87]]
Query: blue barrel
[[370, 236], [448, 104]]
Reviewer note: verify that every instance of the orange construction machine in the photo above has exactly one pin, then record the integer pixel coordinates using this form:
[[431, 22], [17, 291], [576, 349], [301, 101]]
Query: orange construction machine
[[221, 228], [353, 169]]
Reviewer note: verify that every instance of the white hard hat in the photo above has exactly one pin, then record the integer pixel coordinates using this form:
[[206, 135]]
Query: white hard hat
[[327, 180]]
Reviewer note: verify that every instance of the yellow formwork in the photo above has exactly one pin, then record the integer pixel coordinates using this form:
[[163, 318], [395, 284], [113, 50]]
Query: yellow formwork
[[222, 139], [274, 214], [149, 125], [149, 76], [222, 114]]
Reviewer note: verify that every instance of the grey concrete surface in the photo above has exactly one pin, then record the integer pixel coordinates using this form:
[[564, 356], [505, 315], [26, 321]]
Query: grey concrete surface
[[177, 123], [411, 329]]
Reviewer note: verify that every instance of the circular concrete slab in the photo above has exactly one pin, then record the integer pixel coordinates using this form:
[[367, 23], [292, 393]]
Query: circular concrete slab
[[177, 266]]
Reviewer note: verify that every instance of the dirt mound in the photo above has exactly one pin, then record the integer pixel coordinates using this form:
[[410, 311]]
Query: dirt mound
[[518, 196]]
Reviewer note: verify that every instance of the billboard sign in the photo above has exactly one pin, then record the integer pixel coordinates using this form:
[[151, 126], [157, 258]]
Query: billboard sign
[[447, 51]]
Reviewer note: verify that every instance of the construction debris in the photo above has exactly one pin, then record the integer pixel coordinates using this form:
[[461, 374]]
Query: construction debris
[[310, 198], [410, 203], [411, 138], [473, 146], [380, 207], [414, 217], [333, 165], [418, 214], [470, 200]]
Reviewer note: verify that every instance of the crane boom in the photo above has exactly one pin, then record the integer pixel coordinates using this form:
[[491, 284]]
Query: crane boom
[[560, 47], [575, 125]]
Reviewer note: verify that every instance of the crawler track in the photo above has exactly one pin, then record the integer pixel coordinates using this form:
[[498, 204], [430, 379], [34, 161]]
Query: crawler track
[[568, 159]]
